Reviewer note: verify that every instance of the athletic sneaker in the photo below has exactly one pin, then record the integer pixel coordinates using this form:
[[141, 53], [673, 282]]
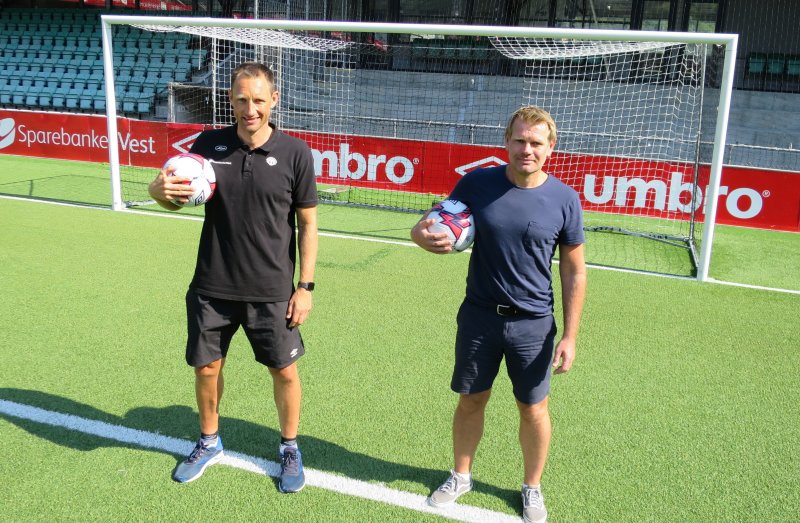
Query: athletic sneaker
[[293, 479], [450, 491], [200, 458], [533, 510]]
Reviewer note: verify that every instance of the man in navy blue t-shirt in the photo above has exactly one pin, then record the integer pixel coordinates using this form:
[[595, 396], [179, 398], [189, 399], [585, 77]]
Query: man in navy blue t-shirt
[[521, 215]]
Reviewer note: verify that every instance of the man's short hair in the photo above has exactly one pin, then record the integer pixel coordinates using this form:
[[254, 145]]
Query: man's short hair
[[532, 115], [253, 70]]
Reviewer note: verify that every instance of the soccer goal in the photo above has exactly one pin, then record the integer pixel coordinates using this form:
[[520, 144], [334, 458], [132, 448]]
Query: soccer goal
[[395, 114]]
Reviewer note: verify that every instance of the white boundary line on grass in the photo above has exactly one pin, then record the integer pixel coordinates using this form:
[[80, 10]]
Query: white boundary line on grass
[[314, 478], [410, 244]]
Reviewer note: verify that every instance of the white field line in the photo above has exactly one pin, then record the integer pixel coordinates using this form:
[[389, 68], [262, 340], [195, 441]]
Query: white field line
[[177, 216], [314, 478]]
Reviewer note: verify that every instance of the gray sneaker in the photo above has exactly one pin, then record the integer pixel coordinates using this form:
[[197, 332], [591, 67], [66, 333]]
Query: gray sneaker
[[197, 461], [450, 491], [533, 510]]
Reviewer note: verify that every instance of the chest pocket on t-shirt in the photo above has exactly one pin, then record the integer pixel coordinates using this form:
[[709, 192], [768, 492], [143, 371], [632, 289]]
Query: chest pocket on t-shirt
[[540, 237]]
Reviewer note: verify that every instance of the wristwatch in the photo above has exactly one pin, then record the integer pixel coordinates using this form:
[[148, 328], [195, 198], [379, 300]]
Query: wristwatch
[[307, 285]]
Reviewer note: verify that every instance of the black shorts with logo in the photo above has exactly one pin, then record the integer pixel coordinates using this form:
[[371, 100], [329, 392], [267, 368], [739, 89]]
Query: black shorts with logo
[[485, 338], [212, 322]]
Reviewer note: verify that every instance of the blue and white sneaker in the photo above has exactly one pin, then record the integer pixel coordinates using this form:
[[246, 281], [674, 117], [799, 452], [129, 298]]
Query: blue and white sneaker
[[292, 477], [200, 458]]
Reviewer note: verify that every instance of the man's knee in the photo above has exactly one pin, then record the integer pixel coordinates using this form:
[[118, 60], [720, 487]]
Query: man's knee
[[535, 411], [286, 375], [211, 370], [471, 403]]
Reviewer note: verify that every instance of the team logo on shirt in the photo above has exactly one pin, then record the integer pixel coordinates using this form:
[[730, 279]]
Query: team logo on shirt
[[271, 161], [221, 148]]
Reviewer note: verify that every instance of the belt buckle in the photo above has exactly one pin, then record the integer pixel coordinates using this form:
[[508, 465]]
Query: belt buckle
[[505, 310]]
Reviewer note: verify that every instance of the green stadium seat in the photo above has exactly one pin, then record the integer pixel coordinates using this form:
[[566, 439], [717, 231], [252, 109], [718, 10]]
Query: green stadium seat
[[793, 68], [776, 67]]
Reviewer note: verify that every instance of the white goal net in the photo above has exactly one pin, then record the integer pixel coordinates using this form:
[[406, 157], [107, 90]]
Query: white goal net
[[395, 114]]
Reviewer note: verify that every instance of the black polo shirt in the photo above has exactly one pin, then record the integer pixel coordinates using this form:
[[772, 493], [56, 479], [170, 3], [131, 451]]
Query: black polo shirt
[[248, 244]]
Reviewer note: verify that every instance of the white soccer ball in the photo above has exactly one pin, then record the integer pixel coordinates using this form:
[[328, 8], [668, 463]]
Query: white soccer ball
[[455, 219], [201, 177]]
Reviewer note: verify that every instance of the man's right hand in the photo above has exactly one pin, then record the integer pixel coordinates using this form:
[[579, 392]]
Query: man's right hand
[[166, 190], [435, 242]]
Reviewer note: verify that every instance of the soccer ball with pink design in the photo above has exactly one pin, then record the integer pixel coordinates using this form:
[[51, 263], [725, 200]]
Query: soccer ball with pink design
[[455, 219], [201, 177]]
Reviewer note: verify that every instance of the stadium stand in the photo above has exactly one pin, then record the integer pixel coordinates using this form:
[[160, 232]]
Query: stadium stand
[[52, 59]]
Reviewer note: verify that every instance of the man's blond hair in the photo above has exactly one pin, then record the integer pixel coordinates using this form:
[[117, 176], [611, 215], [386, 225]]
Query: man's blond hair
[[532, 115]]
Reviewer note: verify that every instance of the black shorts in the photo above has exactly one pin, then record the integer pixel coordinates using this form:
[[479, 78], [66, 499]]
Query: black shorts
[[484, 338], [212, 322]]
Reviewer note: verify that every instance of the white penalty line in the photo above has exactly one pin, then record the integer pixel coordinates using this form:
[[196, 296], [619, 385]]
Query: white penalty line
[[314, 478]]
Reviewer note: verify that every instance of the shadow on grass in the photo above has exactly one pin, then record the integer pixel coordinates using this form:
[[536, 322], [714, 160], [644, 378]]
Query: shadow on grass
[[240, 436]]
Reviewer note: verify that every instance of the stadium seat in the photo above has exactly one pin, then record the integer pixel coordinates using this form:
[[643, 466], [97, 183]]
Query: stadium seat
[[143, 105], [73, 96], [70, 73], [58, 100], [756, 67], [181, 76], [45, 99], [32, 95], [776, 67], [7, 89], [793, 68], [129, 104], [86, 102], [123, 77], [153, 77]]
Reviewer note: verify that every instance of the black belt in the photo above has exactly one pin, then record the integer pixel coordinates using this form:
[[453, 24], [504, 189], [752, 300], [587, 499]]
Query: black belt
[[509, 310]]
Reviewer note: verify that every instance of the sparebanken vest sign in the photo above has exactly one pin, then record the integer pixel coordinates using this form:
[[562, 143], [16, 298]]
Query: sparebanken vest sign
[[748, 197]]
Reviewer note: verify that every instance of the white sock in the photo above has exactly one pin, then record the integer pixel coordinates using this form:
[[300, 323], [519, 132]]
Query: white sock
[[210, 442], [463, 477], [284, 446]]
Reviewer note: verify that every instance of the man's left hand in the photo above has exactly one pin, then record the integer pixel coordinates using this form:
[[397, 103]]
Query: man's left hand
[[564, 356], [300, 305]]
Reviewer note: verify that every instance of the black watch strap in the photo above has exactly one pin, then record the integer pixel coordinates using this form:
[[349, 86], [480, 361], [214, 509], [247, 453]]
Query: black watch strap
[[307, 285]]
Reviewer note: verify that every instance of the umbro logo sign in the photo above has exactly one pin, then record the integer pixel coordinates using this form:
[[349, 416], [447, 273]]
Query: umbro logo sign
[[185, 144], [491, 161]]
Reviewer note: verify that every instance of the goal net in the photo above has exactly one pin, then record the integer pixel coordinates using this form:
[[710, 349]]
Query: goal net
[[396, 114]]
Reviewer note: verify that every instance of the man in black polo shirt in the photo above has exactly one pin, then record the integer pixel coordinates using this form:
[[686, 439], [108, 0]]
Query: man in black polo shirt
[[246, 262]]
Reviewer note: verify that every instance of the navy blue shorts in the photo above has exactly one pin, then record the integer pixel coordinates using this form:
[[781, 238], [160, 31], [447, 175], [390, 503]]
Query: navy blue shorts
[[484, 338], [212, 322]]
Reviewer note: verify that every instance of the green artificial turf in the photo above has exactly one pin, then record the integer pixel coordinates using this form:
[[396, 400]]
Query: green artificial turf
[[682, 404]]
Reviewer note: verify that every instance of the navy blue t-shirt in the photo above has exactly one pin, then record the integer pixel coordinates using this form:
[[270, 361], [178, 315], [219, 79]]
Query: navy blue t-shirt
[[516, 234]]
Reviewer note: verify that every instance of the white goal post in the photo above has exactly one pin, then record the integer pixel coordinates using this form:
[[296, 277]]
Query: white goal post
[[394, 113]]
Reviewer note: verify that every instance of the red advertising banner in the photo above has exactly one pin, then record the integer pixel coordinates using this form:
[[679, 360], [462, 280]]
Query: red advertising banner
[[748, 197]]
